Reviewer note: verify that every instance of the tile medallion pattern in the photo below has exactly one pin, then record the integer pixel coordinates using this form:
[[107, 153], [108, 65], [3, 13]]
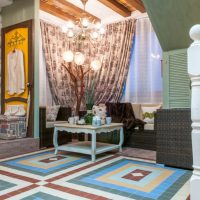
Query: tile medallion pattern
[[135, 179], [73, 176], [45, 163]]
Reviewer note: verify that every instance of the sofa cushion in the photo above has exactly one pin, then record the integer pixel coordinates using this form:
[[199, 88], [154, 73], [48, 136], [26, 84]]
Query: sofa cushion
[[52, 112], [137, 108], [148, 113]]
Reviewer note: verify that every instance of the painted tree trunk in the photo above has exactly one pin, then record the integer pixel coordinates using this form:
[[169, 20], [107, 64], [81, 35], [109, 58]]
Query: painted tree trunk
[[77, 77]]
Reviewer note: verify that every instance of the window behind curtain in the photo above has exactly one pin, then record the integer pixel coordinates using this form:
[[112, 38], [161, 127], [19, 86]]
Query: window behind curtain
[[144, 81]]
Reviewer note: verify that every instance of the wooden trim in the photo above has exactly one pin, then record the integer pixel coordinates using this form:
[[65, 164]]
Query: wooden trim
[[117, 7], [15, 99], [56, 11], [2, 70], [133, 5], [26, 24], [30, 131]]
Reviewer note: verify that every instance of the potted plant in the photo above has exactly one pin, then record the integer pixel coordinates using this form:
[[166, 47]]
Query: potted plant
[[89, 95]]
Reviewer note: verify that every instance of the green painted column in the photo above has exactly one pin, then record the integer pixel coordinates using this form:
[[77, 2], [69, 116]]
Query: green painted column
[[36, 68]]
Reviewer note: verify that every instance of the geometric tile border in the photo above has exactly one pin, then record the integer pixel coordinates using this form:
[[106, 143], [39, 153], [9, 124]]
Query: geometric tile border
[[48, 176]]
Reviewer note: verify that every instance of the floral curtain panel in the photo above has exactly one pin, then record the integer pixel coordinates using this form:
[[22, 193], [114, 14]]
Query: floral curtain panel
[[54, 45], [114, 50]]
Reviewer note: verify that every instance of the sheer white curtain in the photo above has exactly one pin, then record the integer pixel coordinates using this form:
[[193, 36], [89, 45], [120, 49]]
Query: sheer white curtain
[[45, 92], [144, 81]]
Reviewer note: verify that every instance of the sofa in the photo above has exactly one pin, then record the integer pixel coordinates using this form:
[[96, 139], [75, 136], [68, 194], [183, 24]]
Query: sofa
[[143, 138], [120, 113], [137, 133], [46, 128]]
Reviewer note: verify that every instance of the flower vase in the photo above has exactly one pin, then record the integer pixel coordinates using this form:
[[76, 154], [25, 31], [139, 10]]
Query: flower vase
[[88, 117]]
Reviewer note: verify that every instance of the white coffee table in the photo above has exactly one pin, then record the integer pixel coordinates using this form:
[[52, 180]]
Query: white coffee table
[[91, 148]]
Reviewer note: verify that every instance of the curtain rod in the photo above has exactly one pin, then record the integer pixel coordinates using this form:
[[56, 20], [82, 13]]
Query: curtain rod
[[127, 18]]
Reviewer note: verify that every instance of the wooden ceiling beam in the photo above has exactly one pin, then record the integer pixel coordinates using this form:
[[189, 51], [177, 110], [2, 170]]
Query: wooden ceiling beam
[[134, 4], [71, 9], [56, 11], [117, 7]]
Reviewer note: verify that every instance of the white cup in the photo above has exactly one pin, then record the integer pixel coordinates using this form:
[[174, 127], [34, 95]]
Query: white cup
[[76, 118], [108, 120], [71, 120]]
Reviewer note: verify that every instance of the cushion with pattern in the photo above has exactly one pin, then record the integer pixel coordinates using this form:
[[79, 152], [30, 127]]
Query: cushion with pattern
[[52, 112]]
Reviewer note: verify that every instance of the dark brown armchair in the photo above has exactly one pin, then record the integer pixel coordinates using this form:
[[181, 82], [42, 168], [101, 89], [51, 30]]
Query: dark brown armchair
[[47, 128]]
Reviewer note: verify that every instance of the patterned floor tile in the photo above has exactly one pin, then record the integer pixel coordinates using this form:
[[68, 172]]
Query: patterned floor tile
[[6, 185], [45, 175], [11, 184], [44, 164], [42, 196], [44, 193], [133, 179]]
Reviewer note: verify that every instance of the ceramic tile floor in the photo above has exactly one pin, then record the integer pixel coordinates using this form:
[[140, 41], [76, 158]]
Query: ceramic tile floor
[[44, 176]]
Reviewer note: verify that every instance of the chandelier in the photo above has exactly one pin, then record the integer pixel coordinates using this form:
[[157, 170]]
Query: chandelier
[[83, 32], [84, 29]]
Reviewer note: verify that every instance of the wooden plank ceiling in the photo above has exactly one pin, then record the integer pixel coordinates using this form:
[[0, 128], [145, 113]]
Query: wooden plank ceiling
[[68, 11]]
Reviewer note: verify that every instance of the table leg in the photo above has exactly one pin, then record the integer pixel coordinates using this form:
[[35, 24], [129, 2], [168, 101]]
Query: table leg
[[55, 140], [121, 139], [93, 147]]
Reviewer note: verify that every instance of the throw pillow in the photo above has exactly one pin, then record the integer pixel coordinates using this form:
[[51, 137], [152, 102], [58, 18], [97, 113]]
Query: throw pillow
[[148, 113], [52, 112]]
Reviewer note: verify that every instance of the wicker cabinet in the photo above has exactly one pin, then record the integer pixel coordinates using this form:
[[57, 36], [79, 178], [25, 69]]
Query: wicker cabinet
[[174, 146]]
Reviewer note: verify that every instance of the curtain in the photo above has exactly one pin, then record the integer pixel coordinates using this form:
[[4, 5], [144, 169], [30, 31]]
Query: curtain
[[54, 45], [45, 92], [114, 51], [144, 81], [116, 48]]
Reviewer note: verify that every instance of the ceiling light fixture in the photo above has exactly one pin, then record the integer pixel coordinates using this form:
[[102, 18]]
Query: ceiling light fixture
[[83, 32], [84, 29]]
